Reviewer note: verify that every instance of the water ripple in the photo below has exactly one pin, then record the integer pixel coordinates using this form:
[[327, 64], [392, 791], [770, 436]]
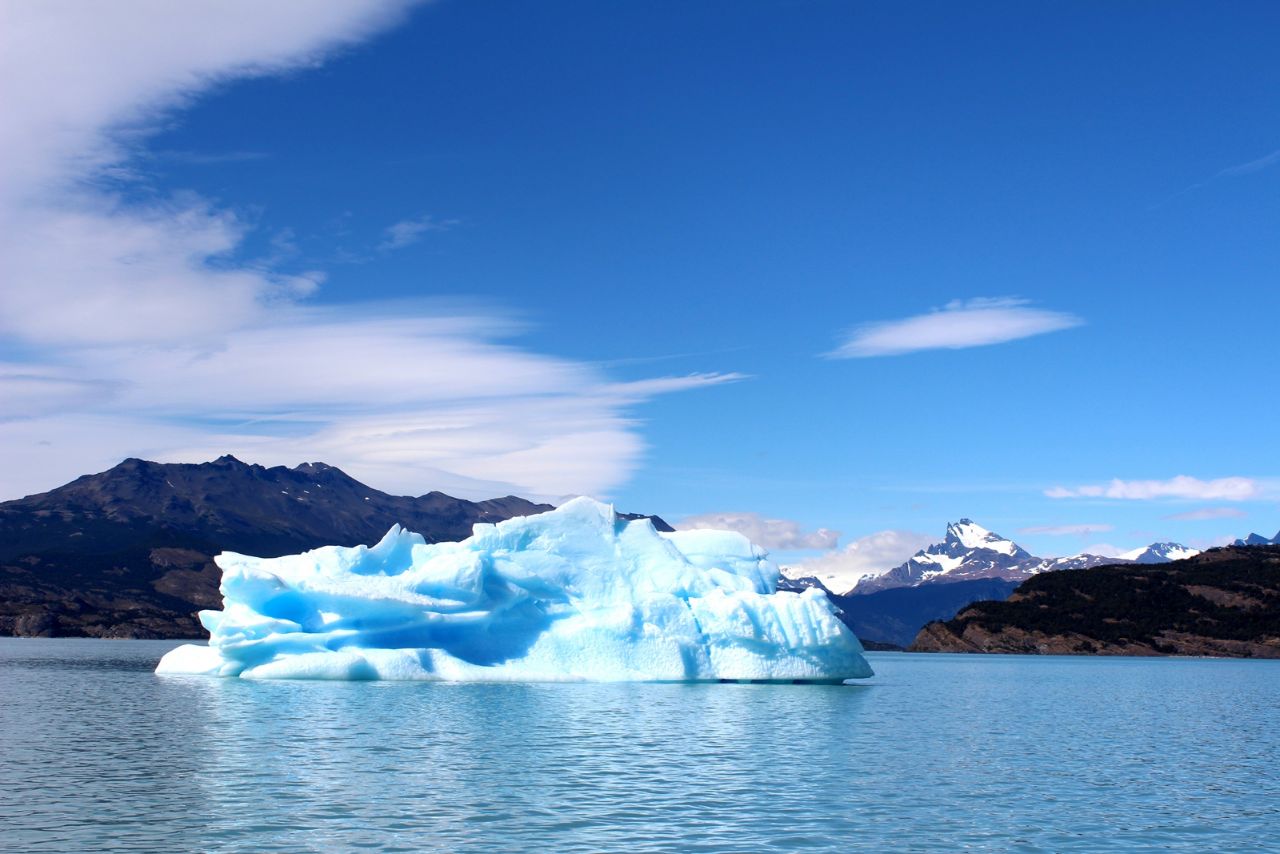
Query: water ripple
[[936, 753]]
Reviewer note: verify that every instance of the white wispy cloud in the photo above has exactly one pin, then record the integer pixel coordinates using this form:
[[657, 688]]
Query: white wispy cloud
[[1181, 487], [867, 556], [1083, 530], [33, 390], [1205, 543], [1208, 513], [141, 335], [773, 534], [1103, 549], [209, 158], [407, 232], [80, 81], [1246, 168], [958, 325], [1257, 165]]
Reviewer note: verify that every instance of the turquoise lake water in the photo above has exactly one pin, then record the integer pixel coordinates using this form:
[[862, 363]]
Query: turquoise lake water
[[936, 753]]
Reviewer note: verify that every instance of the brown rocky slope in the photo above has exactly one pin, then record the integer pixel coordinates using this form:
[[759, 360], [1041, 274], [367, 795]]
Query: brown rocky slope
[[128, 553], [1223, 602]]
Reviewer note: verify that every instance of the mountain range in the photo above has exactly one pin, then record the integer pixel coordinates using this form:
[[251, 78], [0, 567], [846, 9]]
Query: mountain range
[[1258, 540], [893, 617], [129, 552], [969, 552], [1222, 602]]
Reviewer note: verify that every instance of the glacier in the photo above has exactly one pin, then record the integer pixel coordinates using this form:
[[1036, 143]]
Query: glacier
[[573, 594]]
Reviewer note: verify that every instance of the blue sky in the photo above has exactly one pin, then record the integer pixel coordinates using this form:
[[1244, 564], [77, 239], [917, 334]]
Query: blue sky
[[669, 253]]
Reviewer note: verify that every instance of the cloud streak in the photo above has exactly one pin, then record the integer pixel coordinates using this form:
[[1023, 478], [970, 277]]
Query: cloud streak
[[209, 158], [1247, 168], [867, 556], [1180, 487], [407, 232], [142, 334], [1205, 513], [1258, 165], [772, 534], [1084, 530], [958, 325]]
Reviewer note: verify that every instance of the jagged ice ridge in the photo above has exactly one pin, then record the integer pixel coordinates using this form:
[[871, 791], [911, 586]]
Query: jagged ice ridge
[[571, 594]]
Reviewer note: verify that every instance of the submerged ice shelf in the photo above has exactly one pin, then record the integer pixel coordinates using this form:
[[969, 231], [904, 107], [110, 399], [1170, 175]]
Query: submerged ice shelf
[[571, 594]]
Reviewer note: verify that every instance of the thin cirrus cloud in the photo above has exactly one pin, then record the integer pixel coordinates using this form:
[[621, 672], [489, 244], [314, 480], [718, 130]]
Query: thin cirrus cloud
[[774, 534], [958, 325], [209, 158], [1257, 165], [1206, 513], [1180, 487], [868, 556], [140, 336], [1247, 168], [1084, 530], [407, 232]]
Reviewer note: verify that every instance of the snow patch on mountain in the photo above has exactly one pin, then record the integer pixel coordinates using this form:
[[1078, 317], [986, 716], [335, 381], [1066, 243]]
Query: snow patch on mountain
[[970, 551], [1080, 561], [1159, 553], [864, 558], [973, 536], [1258, 540]]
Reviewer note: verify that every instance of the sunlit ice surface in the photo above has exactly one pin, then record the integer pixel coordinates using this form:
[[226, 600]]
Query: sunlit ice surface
[[574, 594]]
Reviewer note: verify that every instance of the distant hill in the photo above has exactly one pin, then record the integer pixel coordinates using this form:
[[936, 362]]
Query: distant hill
[[1223, 602], [970, 564], [1258, 540], [890, 619], [895, 616], [128, 552], [1158, 553]]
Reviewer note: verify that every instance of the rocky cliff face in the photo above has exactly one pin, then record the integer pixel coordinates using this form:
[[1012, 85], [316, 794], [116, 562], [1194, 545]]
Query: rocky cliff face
[[1224, 602], [129, 552]]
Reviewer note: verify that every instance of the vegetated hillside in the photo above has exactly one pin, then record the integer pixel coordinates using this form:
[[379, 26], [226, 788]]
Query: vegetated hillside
[[895, 616], [1223, 602], [129, 552]]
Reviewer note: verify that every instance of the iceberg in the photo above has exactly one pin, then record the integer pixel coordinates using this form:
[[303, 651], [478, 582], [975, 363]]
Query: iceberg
[[574, 594]]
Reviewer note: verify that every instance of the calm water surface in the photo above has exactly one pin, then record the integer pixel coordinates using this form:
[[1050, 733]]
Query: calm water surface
[[934, 753]]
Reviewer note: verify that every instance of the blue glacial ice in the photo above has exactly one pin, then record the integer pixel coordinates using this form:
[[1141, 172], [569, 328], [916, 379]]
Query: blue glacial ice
[[569, 595]]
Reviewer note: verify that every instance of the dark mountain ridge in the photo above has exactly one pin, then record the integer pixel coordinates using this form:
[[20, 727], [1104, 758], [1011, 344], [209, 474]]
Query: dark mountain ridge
[[129, 552], [1256, 539], [894, 616], [891, 618], [1222, 602]]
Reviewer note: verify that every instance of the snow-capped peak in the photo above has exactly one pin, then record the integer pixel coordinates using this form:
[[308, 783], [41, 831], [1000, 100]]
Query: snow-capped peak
[[971, 535], [1258, 540], [969, 551], [802, 576], [1160, 553]]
